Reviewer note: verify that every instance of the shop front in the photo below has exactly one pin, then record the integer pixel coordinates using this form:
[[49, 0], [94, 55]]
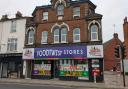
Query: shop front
[[11, 65], [65, 63]]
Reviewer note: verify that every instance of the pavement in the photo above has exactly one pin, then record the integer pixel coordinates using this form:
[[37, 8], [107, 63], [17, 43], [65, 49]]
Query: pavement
[[112, 81]]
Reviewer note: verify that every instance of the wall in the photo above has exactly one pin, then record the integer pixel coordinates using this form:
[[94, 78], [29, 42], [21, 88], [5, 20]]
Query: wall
[[5, 27]]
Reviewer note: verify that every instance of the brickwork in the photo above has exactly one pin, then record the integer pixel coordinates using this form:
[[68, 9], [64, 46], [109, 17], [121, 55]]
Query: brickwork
[[109, 56], [125, 29], [77, 22]]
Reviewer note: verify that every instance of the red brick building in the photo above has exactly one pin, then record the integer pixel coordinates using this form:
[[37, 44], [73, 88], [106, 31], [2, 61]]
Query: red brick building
[[67, 41], [125, 29], [109, 53]]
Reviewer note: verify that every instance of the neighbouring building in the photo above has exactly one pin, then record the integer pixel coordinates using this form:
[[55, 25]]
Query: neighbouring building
[[110, 61], [64, 41], [12, 37], [125, 30]]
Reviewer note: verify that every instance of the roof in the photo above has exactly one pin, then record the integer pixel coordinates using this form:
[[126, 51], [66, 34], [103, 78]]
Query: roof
[[71, 3], [105, 45], [10, 19], [94, 16]]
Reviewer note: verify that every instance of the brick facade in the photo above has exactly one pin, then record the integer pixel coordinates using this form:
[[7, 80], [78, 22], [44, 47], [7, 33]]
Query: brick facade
[[125, 29], [109, 54], [81, 22]]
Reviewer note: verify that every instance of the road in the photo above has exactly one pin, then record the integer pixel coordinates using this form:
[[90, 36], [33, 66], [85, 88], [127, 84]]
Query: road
[[31, 86]]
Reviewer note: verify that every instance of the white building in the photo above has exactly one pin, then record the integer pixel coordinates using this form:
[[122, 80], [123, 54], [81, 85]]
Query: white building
[[12, 38]]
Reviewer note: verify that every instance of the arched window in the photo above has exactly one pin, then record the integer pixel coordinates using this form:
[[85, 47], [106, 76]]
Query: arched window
[[60, 35], [63, 35], [76, 35], [30, 36], [56, 35], [60, 9], [94, 33], [44, 37]]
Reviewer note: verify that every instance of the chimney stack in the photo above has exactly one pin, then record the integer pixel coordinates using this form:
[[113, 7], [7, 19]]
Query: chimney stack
[[115, 35], [4, 17], [18, 14]]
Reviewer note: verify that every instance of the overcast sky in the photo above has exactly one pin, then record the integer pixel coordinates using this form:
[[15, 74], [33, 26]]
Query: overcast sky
[[113, 11]]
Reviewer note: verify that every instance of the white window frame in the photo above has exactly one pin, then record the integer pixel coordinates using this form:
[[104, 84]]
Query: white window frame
[[64, 35], [44, 38], [30, 37], [12, 44], [60, 10], [76, 11], [45, 15], [96, 33], [56, 35], [13, 26], [74, 35]]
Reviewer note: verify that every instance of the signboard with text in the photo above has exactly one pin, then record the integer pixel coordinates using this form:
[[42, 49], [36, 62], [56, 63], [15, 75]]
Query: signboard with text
[[61, 52], [95, 51], [28, 53]]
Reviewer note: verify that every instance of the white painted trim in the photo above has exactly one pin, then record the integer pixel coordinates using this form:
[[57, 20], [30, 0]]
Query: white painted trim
[[94, 22], [60, 2], [30, 28], [57, 25]]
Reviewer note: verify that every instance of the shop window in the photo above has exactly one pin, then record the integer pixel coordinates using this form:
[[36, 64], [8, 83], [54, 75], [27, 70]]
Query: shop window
[[76, 35], [45, 15], [44, 37], [30, 37], [94, 33], [76, 12], [12, 44]]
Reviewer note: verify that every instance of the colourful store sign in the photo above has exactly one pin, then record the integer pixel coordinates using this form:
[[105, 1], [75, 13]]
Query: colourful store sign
[[28, 53], [95, 51], [42, 69], [61, 52], [80, 71]]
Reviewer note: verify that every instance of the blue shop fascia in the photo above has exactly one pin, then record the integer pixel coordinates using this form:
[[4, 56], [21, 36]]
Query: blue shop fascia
[[75, 62]]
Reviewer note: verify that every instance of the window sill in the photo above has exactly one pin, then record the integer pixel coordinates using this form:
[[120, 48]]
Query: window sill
[[60, 17], [14, 51], [94, 40], [30, 44], [76, 17], [44, 43], [45, 19]]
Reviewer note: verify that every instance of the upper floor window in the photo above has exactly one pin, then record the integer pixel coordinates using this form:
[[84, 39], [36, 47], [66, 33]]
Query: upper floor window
[[13, 26], [30, 37], [76, 11], [76, 35], [12, 44], [94, 33], [44, 37], [63, 35], [56, 35], [60, 9], [45, 15], [60, 35]]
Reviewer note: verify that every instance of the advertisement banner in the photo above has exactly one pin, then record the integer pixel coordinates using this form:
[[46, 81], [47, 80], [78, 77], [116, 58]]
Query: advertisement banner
[[61, 52], [28, 53], [80, 71], [95, 51], [42, 69]]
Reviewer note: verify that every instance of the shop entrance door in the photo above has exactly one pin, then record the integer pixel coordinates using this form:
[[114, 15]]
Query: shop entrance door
[[55, 69]]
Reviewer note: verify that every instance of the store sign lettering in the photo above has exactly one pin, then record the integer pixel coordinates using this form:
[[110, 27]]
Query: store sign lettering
[[61, 52], [80, 71]]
